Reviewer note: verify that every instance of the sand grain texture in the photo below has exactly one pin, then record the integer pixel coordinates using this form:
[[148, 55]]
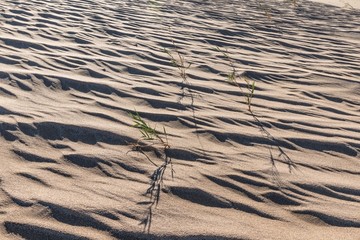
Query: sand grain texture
[[70, 71]]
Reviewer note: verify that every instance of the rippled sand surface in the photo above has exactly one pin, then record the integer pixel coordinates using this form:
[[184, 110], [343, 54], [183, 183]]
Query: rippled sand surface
[[70, 71]]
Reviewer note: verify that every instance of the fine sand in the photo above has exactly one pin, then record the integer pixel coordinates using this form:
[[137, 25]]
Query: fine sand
[[71, 71], [342, 3]]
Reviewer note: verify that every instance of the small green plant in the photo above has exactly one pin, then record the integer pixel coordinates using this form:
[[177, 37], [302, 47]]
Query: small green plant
[[157, 142], [249, 94], [177, 59], [148, 133], [233, 78], [153, 3], [179, 62]]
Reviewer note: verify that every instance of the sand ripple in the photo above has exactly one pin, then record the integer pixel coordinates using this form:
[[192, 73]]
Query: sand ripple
[[70, 71]]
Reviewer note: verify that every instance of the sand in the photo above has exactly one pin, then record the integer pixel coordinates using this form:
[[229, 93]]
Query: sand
[[342, 3], [71, 71]]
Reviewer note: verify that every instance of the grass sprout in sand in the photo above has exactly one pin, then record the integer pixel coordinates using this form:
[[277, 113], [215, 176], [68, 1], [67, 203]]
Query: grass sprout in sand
[[156, 142], [178, 60], [233, 78]]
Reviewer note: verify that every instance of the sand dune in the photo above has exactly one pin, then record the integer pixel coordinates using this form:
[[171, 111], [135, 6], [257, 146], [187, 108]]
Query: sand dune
[[70, 71]]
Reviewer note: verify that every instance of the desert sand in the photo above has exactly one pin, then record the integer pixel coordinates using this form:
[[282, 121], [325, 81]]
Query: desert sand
[[72, 71], [342, 3]]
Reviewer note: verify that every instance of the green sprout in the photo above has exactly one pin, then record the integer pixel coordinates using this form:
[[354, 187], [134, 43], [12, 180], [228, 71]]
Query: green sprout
[[232, 78]]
